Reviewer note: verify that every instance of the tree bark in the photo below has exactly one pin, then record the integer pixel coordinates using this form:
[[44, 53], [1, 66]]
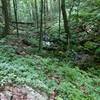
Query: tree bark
[[36, 9], [16, 18], [41, 28], [6, 16], [59, 17], [65, 20]]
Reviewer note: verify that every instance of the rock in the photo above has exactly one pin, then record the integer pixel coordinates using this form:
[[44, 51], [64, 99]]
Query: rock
[[36, 95], [46, 44], [83, 60], [8, 95], [2, 96], [22, 93]]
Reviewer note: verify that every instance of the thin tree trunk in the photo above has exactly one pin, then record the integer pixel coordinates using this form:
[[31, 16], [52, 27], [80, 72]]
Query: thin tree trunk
[[33, 13], [36, 9], [9, 10], [41, 28], [44, 16], [77, 19], [47, 9], [15, 12], [59, 17]]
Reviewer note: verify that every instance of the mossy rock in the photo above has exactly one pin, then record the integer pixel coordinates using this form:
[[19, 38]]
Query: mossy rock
[[90, 45]]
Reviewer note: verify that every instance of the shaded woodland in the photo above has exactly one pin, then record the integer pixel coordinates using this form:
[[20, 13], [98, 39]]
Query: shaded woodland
[[52, 46]]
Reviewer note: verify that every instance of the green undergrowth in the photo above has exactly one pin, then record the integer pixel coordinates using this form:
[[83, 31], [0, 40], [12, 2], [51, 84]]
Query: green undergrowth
[[48, 74]]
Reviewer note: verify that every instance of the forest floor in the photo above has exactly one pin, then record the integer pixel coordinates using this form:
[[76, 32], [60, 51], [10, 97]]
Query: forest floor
[[21, 64]]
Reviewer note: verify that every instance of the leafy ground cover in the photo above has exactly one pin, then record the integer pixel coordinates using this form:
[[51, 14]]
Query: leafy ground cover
[[48, 74]]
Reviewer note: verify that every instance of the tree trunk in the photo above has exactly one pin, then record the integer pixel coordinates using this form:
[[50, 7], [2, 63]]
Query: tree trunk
[[41, 28], [36, 9], [59, 17], [15, 12], [9, 10], [6, 16], [65, 20]]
